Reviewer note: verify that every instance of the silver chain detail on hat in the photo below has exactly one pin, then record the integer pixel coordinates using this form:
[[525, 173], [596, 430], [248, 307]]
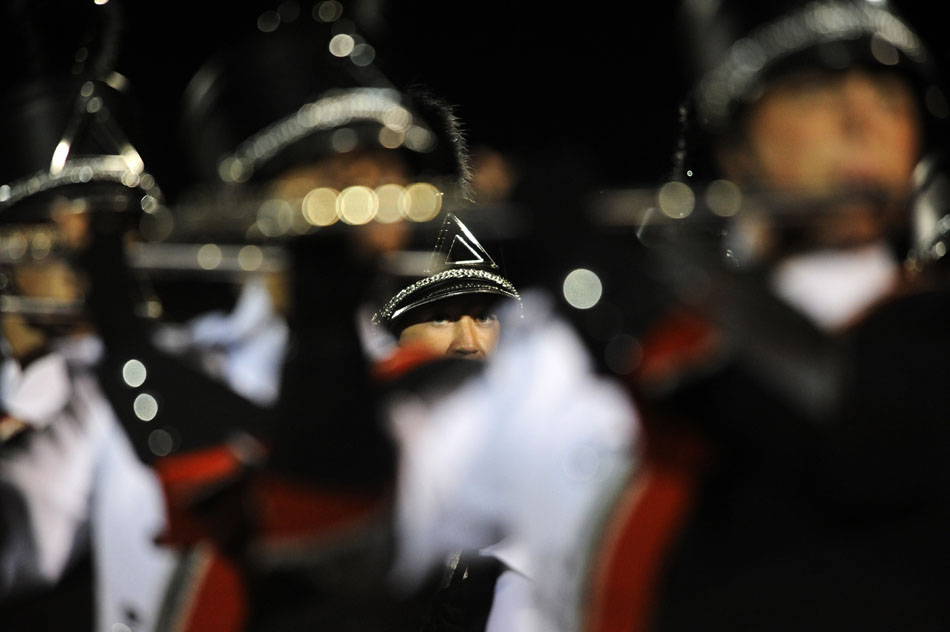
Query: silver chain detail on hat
[[388, 310], [338, 108]]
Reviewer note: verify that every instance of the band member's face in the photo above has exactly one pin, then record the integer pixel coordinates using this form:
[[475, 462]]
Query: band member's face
[[464, 326], [821, 132], [47, 275], [43, 272]]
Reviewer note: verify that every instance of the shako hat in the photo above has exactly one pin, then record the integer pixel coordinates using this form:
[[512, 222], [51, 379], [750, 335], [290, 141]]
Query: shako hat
[[458, 265], [305, 84], [731, 48], [67, 116]]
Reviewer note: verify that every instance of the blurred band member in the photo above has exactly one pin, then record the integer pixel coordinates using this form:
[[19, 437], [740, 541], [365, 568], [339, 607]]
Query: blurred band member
[[304, 150], [793, 478], [80, 511]]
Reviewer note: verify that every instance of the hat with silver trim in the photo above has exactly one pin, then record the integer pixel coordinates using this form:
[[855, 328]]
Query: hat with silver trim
[[304, 83], [731, 48], [458, 265], [67, 119], [66, 124]]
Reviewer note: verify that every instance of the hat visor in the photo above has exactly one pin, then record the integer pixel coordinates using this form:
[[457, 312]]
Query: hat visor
[[449, 288]]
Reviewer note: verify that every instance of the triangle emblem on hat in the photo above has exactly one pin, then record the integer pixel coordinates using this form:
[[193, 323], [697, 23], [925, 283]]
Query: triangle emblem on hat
[[456, 246], [461, 248], [90, 116]]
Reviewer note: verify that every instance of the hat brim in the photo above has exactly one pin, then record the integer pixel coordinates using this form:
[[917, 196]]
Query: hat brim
[[437, 287]]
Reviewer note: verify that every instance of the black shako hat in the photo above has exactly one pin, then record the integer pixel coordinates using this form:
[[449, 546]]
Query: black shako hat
[[458, 265], [66, 115], [731, 48], [303, 84]]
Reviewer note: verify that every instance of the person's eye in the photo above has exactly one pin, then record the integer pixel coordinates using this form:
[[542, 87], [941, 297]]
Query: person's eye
[[439, 319], [485, 319]]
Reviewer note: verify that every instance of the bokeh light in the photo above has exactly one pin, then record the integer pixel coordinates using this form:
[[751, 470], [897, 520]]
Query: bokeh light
[[363, 54], [275, 217], [392, 203], [357, 205], [329, 11], [250, 258], [145, 407], [390, 138], [344, 140], [160, 442], [342, 45], [209, 256], [423, 201], [723, 198], [268, 21], [582, 288], [676, 200], [134, 373], [319, 206]]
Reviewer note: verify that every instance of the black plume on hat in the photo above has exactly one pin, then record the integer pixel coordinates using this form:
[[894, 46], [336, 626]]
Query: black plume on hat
[[458, 265]]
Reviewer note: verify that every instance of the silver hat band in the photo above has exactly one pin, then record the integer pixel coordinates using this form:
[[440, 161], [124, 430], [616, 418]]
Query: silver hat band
[[390, 311], [379, 105], [112, 169], [816, 23]]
